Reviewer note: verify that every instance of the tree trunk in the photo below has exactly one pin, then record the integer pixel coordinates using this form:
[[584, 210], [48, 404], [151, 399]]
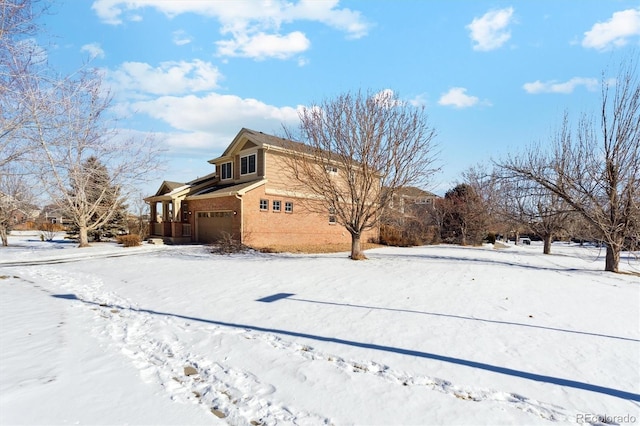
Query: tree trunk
[[463, 235], [3, 236], [83, 237], [356, 250], [612, 259], [547, 244]]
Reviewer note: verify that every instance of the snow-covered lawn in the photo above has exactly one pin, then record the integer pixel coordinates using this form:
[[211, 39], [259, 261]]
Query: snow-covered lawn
[[435, 335]]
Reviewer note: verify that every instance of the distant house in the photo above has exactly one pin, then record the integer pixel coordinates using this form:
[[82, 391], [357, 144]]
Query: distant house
[[54, 215], [406, 199], [409, 218], [15, 212], [249, 196]]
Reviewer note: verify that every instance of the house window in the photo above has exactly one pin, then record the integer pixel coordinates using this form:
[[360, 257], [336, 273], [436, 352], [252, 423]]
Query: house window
[[332, 215], [248, 164], [264, 205], [288, 207], [331, 169], [226, 171], [276, 205]]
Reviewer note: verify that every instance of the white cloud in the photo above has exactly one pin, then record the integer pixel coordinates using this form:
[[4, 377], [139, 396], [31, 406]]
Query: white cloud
[[615, 32], [419, 100], [169, 78], [215, 113], [93, 49], [254, 26], [180, 38], [346, 20], [491, 31], [560, 87], [260, 46], [457, 97]]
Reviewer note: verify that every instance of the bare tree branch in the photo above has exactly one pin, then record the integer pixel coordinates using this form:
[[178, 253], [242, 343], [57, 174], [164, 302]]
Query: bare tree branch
[[595, 168], [360, 149]]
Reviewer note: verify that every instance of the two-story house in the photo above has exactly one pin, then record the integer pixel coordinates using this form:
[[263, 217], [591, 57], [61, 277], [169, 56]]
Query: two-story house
[[249, 196]]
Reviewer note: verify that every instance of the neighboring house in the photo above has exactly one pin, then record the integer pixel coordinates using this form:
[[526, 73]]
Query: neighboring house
[[16, 212], [20, 216], [54, 215], [409, 218], [249, 196], [406, 199]]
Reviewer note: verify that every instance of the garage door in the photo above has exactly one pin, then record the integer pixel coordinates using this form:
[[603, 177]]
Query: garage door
[[210, 226]]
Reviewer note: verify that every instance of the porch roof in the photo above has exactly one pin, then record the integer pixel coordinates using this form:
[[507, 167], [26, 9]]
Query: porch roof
[[227, 189]]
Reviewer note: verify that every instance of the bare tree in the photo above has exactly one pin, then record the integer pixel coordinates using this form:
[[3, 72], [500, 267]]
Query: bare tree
[[485, 183], [16, 196], [138, 220], [73, 127], [596, 168], [21, 62], [361, 149], [535, 209]]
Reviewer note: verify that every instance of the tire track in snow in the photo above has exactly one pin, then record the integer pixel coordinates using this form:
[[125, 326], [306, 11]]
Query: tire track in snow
[[237, 395]]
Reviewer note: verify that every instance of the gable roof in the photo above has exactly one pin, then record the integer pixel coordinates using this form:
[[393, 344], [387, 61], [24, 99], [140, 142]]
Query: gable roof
[[259, 139], [412, 191], [168, 187]]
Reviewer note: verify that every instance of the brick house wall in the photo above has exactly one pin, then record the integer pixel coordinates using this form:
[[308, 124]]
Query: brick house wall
[[301, 226], [229, 203], [240, 194]]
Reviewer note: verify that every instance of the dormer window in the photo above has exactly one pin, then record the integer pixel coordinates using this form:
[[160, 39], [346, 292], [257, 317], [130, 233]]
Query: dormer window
[[248, 164], [226, 171]]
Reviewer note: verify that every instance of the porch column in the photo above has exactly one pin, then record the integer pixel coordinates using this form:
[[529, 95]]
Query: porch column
[[152, 217], [165, 211]]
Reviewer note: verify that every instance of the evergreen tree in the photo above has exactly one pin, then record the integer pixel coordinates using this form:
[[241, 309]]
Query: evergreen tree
[[99, 192]]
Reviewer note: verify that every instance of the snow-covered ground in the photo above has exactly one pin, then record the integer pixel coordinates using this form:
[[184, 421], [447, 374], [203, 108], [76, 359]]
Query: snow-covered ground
[[436, 335]]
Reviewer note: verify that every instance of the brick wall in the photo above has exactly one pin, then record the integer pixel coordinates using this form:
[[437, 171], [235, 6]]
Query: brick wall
[[214, 204], [300, 227]]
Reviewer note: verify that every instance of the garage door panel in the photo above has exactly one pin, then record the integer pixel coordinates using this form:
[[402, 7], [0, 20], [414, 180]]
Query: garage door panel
[[212, 225]]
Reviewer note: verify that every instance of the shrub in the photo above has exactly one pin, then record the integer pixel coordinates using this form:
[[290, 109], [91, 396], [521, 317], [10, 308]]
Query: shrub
[[226, 244], [491, 238], [130, 240], [48, 231]]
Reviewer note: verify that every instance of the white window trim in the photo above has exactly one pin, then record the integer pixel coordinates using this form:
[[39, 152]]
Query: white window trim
[[230, 163], [266, 209], [273, 206], [255, 164]]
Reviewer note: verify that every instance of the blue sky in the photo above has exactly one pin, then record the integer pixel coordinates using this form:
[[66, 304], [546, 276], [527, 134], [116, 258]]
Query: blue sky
[[492, 75]]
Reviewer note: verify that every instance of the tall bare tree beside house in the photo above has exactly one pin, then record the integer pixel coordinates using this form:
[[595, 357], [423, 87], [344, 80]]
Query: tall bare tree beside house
[[361, 147], [595, 168], [72, 128]]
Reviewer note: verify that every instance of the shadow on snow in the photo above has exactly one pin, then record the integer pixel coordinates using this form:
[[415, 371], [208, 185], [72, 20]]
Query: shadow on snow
[[410, 352]]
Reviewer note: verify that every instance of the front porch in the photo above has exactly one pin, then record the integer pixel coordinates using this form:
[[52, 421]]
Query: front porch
[[169, 218], [171, 232]]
